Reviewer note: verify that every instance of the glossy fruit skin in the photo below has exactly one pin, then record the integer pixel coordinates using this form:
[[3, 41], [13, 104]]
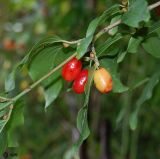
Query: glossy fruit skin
[[80, 81], [103, 80], [71, 69]]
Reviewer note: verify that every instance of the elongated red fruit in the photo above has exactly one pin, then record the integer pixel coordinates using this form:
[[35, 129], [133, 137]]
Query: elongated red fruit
[[103, 80], [71, 69], [80, 81]]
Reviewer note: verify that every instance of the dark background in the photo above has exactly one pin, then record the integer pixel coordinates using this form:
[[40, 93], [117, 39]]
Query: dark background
[[49, 135]]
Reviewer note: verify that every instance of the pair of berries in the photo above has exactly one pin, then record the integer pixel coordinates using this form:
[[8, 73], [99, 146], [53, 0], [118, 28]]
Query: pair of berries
[[72, 71]]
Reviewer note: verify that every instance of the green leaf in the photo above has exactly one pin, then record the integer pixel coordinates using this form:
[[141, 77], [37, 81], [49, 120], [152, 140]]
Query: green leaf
[[3, 142], [139, 83], [111, 65], [52, 91], [2, 123], [101, 49], [4, 105], [5, 110], [121, 56], [43, 44], [154, 27], [134, 44], [39, 46], [146, 95], [83, 46], [137, 12], [10, 81], [82, 123], [115, 9], [120, 115], [114, 30], [152, 46], [16, 119], [45, 61], [92, 27]]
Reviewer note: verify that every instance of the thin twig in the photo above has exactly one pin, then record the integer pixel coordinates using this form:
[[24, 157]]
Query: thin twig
[[72, 42], [106, 29], [152, 6], [3, 99]]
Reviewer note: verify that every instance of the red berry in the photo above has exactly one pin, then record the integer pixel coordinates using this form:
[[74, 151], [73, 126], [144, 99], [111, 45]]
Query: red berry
[[80, 81], [71, 69]]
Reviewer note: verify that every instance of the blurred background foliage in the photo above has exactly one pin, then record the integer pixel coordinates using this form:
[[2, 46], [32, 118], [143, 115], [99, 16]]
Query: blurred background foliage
[[48, 135]]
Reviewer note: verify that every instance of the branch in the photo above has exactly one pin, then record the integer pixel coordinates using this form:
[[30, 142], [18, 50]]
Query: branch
[[101, 32], [71, 42], [3, 99], [106, 29], [43, 78], [152, 6]]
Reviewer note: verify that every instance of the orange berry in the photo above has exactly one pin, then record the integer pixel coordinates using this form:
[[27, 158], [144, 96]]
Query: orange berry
[[103, 80]]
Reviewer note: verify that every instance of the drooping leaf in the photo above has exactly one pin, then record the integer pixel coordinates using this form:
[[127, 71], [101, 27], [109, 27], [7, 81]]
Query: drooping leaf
[[3, 142], [16, 119], [10, 80], [152, 46], [4, 105], [111, 65], [82, 121], [92, 27], [5, 110], [42, 44], [137, 12], [121, 56], [39, 46], [105, 15], [115, 9], [52, 91], [146, 95], [133, 44], [43, 63], [84, 44], [139, 82], [120, 115]]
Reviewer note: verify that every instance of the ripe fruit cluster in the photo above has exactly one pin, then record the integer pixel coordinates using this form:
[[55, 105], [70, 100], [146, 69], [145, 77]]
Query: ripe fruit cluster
[[72, 71]]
